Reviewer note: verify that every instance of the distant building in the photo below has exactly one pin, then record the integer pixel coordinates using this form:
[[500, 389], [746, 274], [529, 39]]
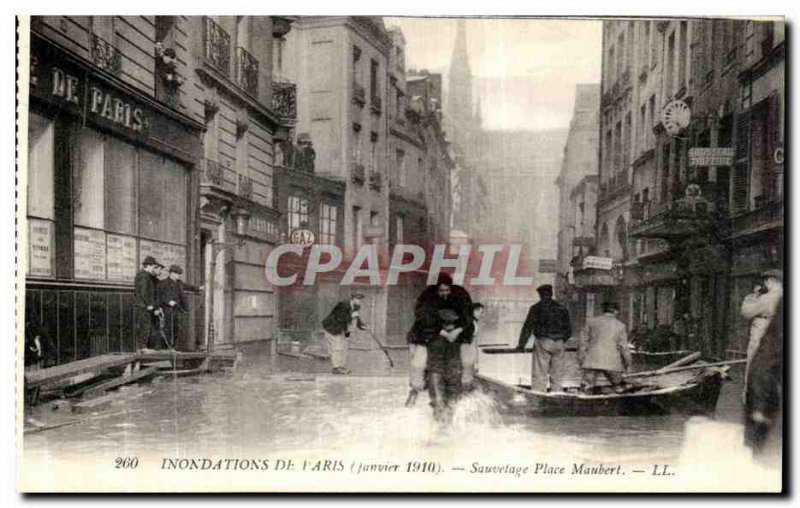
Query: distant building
[[577, 184]]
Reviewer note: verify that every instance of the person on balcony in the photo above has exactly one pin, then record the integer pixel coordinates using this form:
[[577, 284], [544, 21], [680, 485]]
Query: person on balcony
[[549, 322]]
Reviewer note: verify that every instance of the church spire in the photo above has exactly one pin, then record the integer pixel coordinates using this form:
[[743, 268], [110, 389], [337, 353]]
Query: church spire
[[460, 109]]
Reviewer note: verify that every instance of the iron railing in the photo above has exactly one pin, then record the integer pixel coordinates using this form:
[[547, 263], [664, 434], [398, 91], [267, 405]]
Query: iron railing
[[217, 45], [359, 93], [212, 172], [246, 71], [245, 187], [284, 99], [105, 55]]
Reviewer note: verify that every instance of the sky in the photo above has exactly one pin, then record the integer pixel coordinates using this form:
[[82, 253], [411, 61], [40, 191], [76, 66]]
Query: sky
[[525, 70]]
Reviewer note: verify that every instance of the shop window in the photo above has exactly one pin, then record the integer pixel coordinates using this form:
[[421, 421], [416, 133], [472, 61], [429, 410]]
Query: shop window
[[120, 186], [40, 167], [298, 213], [87, 180], [328, 221], [151, 195]]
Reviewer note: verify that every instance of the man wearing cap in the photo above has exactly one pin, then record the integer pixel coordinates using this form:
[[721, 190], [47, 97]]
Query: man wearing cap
[[337, 329], [550, 325], [146, 304], [604, 349], [764, 371], [173, 302]]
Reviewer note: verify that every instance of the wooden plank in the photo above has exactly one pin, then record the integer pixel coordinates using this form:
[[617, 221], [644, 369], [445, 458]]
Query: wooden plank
[[98, 390], [659, 372], [104, 401], [172, 355], [71, 369]]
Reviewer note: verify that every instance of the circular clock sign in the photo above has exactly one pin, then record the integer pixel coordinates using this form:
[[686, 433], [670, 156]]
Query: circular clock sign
[[302, 237], [675, 116]]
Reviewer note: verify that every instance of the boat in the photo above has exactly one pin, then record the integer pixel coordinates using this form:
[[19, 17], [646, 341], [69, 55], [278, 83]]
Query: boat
[[688, 390]]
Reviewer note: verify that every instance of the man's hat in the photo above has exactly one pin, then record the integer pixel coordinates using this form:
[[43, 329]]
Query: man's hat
[[357, 296], [176, 269], [773, 274], [448, 315], [609, 306], [545, 288], [303, 137], [149, 260]]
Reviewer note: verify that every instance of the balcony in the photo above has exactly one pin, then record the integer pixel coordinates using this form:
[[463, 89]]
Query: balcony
[[247, 71], [375, 180], [682, 218], [284, 99], [375, 104], [245, 187], [212, 172], [216, 45], [359, 94], [358, 174], [614, 187], [766, 217], [105, 55]]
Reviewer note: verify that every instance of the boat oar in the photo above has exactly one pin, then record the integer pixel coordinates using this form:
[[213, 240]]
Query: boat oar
[[683, 361], [658, 372], [504, 350]]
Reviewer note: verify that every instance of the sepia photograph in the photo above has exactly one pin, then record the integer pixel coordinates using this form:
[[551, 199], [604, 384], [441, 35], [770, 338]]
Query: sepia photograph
[[400, 254]]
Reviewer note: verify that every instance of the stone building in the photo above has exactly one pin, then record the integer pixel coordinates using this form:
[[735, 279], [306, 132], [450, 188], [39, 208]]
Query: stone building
[[577, 190], [704, 210], [114, 155]]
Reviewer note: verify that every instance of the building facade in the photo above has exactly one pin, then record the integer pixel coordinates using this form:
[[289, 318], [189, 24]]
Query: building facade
[[704, 205], [577, 191], [113, 176]]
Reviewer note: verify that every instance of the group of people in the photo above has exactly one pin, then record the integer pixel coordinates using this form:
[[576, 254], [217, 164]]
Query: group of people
[[159, 299], [604, 351]]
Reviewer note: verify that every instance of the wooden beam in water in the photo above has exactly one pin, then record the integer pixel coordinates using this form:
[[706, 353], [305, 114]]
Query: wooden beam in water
[[72, 369], [98, 390]]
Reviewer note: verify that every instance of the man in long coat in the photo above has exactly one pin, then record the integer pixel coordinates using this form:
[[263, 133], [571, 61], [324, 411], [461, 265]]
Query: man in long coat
[[604, 349], [146, 308], [173, 302]]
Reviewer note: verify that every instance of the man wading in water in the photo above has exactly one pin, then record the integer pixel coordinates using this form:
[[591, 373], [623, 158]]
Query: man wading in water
[[443, 321]]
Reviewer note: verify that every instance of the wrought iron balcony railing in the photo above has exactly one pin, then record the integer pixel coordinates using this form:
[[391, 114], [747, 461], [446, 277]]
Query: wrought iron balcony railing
[[212, 172], [376, 103], [245, 187], [359, 94], [105, 55], [284, 99], [246, 71], [375, 180], [217, 45], [358, 174], [768, 215]]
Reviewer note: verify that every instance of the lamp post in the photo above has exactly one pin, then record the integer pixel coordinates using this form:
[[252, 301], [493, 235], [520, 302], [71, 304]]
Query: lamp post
[[241, 218]]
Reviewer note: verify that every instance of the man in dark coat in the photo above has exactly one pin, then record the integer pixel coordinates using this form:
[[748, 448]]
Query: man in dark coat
[[549, 323], [173, 302], [147, 311], [337, 326], [435, 340]]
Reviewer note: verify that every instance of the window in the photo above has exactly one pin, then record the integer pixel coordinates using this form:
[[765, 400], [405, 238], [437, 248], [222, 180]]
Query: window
[[356, 66], [655, 45], [670, 77], [626, 147], [87, 180], [401, 168], [621, 62], [40, 167], [647, 45], [651, 120], [328, 220], [399, 230], [358, 227], [373, 78], [683, 53], [749, 40], [641, 136], [298, 213], [607, 155], [617, 148], [612, 66], [374, 218], [164, 27]]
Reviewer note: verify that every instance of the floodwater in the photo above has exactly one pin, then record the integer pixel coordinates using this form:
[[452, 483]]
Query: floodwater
[[252, 413]]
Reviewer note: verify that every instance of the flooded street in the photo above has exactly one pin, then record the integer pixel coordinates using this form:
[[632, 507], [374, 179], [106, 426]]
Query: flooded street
[[311, 418]]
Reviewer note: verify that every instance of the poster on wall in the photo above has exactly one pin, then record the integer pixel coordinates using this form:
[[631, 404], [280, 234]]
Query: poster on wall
[[164, 253], [90, 254], [40, 233], [121, 252]]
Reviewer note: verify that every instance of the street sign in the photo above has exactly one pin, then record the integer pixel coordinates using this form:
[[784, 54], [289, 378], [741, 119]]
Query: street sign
[[547, 266], [710, 156], [302, 237], [598, 263]]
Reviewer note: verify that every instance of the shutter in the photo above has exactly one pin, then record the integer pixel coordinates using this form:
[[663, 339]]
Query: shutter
[[741, 172], [774, 141]]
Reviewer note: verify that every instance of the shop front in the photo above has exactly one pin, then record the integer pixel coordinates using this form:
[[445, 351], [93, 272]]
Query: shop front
[[110, 181]]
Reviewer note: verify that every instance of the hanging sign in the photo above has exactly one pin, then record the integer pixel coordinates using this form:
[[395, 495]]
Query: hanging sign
[[710, 157]]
